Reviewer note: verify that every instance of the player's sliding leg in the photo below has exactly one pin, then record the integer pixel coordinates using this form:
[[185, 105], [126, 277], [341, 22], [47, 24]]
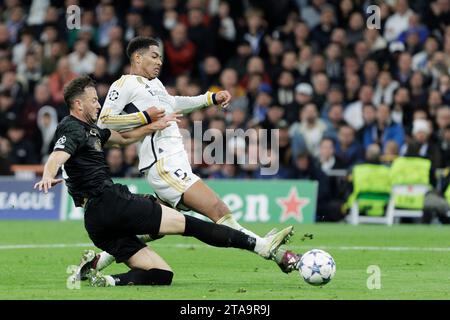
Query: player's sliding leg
[[172, 223], [200, 198]]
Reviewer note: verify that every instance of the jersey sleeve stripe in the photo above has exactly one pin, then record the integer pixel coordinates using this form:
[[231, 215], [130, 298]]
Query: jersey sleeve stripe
[[209, 98]]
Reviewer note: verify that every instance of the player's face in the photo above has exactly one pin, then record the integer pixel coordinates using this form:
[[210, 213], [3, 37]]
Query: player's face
[[152, 62], [91, 106]]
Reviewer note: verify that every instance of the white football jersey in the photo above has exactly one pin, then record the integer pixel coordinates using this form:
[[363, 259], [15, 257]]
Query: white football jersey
[[124, 108]]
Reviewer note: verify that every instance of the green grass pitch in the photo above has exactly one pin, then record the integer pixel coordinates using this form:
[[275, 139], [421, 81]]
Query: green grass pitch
[[414, 261]]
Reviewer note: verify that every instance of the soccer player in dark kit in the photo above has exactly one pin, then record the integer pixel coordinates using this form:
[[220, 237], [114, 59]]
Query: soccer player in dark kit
[[113, 215]]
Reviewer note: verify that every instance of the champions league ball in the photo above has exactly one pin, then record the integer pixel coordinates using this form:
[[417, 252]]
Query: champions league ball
[[317, 267]]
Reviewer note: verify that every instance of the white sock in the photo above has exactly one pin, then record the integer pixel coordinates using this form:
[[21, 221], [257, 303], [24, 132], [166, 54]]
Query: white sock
[[229, 221], [105, 260], [260, 245], [110, 280]]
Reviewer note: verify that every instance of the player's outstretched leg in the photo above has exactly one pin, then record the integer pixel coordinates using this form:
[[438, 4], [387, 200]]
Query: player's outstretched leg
[[200, 198], [173, 222]]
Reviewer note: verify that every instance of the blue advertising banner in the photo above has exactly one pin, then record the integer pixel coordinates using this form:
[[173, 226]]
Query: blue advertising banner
[[18, 200]]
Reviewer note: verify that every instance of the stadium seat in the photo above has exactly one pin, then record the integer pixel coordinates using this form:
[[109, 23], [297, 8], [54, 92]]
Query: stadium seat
[[410, 178], [371, 193]]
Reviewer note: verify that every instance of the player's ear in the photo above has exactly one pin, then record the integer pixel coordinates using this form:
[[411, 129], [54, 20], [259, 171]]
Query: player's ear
[[137, 58], [77, 104]]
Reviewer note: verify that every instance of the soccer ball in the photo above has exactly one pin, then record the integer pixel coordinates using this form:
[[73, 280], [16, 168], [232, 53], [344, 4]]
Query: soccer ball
[[317, 267]]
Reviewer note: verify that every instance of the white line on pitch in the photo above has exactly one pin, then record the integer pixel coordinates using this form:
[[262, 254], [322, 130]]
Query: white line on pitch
[[198, 246]]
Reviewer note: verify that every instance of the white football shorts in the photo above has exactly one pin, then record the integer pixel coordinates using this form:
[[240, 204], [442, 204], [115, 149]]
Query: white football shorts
[[170, 177]]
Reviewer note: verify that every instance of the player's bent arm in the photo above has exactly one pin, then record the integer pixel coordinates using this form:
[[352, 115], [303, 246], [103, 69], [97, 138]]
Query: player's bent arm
[[120, 122], [129, 137], [54, 162]]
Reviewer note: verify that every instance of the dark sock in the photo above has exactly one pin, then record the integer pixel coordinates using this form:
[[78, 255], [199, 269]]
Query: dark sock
[[217, 235], [141, 277]]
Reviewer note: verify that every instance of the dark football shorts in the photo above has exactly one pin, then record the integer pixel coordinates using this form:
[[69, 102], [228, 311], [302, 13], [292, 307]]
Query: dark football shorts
[[114, 218]]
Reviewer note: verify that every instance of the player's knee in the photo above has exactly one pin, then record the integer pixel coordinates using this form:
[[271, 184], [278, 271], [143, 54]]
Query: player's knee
[[159, 277]]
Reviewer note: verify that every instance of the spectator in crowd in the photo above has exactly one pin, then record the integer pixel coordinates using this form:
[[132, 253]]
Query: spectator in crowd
[[255, 66], [47, 121], [442, 122], [255, 30], [348, 150], [262, 102], [445, 147], [115, 161], [82, 60], [29, 115], [27, 44], [210, 72], [369, 113], [384, 89], [303, 95], [5, 164], [59, 79], [16, 89], [321, 85], [224, 27], [107, 19], [334, 120], [239, 60], [305, 167], [390, 152], [420, 59], [198, 31], [285, 88], [334, 63], [22, 149], [334, 96], [370, 72], [180, 51], [275, 53], [311, 13], [116, 59], [309, 131], [417, 88], [383, 130], [402, 108], [8, 114], [421, 145], [434, 101], [399, 21], [356, 26], [352, 85], [327, 158], [353, 111], [321, 33]]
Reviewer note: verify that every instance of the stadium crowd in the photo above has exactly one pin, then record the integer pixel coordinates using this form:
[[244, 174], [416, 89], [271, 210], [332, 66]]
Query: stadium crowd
[[340, 93]]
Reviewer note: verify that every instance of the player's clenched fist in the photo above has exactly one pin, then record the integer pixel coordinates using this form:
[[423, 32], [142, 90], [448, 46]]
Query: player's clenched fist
[[223, 98]]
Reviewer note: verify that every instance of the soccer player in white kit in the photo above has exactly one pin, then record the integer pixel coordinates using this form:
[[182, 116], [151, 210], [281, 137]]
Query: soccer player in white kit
[[162, 157]]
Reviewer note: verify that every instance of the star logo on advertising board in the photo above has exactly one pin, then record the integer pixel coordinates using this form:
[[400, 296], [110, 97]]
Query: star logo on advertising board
[[292, 206]]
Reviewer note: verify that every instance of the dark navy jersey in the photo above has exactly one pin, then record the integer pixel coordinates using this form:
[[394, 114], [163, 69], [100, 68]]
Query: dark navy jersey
[[86, 171]]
